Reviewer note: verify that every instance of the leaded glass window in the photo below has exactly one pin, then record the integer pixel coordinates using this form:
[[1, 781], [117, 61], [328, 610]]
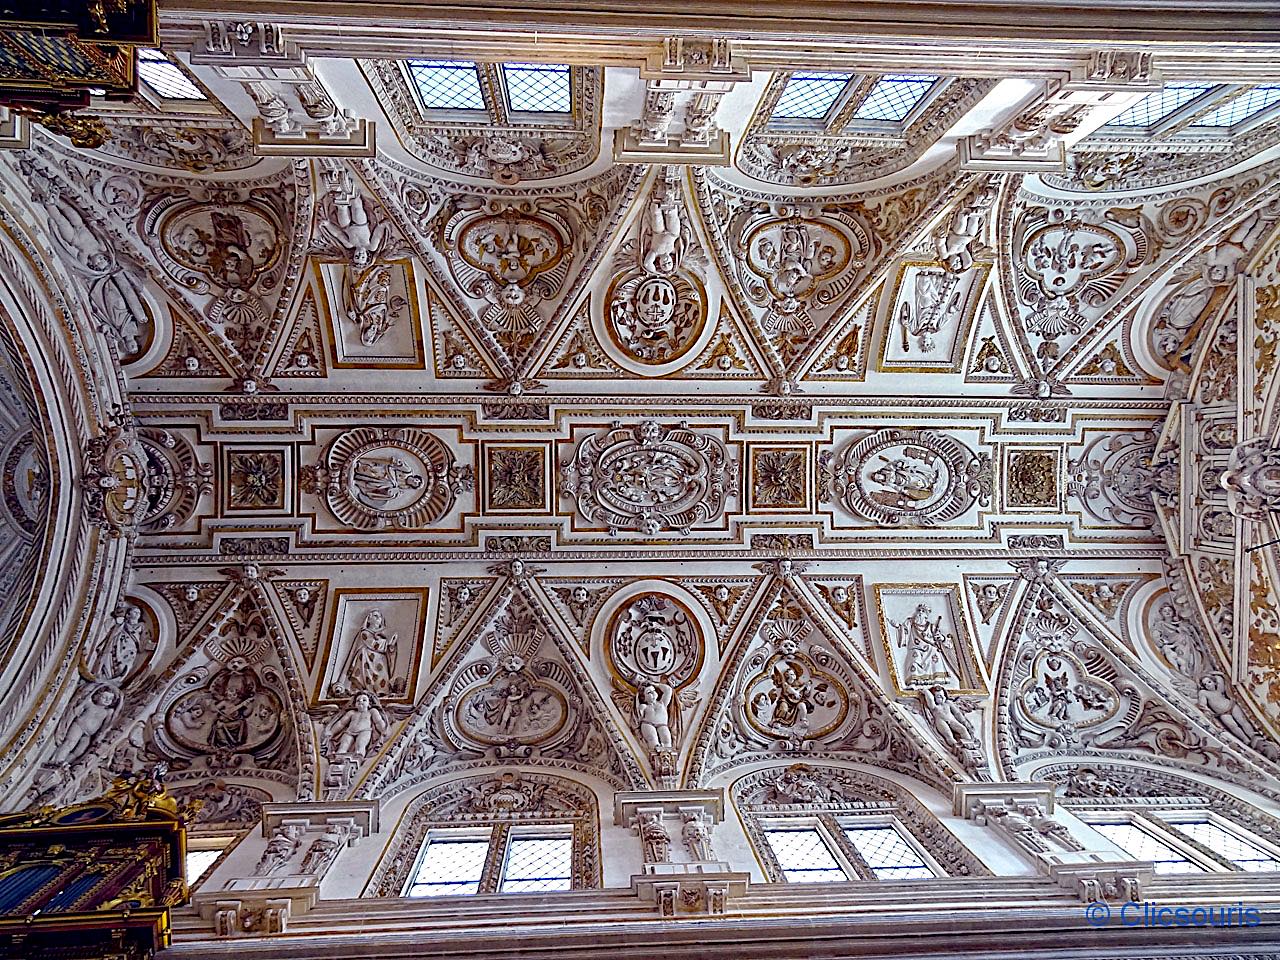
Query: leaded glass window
[[804, 856], [198, 863], [888, 853], [1143, 844], [809, 96], [457, 862], [537, 863], [537, 87], [447, 84], [1231, 843], [894, 96], [163, 76], [452, 864]]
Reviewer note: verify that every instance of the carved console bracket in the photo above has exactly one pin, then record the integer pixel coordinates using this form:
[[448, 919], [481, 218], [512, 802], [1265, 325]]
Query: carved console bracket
[[256, 913], [681, 875], [1068, 109], [296, 114], [1024, 813], [688, 79], [967, 798], [1094, 878]]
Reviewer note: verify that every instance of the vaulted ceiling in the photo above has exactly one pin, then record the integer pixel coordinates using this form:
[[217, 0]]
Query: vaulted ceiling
[[469, 407]]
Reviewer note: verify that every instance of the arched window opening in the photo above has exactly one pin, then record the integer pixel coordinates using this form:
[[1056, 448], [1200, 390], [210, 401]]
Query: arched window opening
[[824, 824], [499, 833], [1181, 826]]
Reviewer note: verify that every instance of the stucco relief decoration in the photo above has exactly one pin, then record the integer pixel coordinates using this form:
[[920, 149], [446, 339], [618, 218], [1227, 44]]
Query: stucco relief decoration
[[114, 284], [1113, 478], [227, 713], [514, 701], [376, 478], [1252, 480], [1068, 692], [655, 652], [25, 481], [229, 245], [178, 480], [908, 477], [649, 478], [793, 261], [511, 259], [197, 149], [656, 306], [793, 696], [116, 482], [1069, 263]]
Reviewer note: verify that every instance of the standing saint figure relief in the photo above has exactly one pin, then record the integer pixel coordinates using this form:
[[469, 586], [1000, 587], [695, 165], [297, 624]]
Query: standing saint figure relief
[[926, 646], [371, 663]]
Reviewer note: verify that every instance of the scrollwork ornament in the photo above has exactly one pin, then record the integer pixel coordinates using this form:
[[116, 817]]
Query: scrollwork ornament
[[650, 478]]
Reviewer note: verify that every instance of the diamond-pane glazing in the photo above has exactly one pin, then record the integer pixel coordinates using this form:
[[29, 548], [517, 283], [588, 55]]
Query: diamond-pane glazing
[[893, 97], [1242, 107], [537, 87], [164, 78], [1154, 107], [449, 868], [888, 855], [1141, 845], [804, 856], [1245, 855], [447, 84], [538, 863], [808, 96], [198, 863]]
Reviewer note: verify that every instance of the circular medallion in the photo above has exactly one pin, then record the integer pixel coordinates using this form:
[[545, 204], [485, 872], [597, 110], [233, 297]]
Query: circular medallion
[[908, 476], [652, 637], [654, 319], [405, 478]]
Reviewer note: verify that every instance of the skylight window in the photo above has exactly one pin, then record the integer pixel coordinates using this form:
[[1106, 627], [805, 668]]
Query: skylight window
[[1154, 107], [537, 87], [163, 76], [1242, 107], [894, 96], [447, 84], [809, 96]]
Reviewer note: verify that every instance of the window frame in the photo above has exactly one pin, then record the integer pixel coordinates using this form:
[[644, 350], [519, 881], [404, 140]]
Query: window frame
[[831, 828], [1172, 818], [570, 809], [224, 843], [497, 109], [839, 120], [498, 838], [1153, 822], [1181, 122]]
